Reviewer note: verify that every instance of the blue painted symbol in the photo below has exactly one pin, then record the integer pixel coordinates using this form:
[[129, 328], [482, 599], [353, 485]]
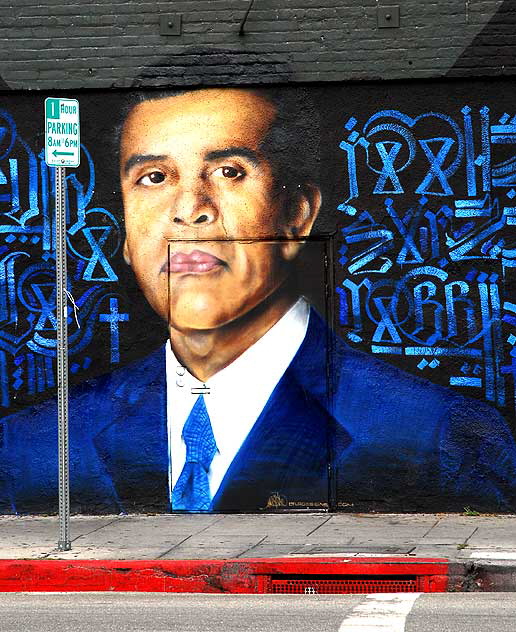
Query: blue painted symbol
[[113, 318], [46, 294], [388, 151], [436, 162], [97, 255]]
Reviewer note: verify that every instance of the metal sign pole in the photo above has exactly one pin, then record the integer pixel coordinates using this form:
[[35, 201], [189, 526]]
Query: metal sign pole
[[64, 543], [62, 149]]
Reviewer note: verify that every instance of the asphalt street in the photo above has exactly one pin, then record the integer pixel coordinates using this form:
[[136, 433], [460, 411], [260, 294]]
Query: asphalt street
[[130, 612]]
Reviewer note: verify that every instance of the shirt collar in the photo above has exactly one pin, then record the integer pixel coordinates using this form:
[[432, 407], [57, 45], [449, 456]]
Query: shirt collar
[[239, 392]]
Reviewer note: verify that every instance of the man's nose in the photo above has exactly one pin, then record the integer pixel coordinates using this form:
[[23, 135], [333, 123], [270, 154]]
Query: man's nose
[[193, 205]]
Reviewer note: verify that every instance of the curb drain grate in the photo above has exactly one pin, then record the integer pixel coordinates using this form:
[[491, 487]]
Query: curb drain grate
[[334, 585]]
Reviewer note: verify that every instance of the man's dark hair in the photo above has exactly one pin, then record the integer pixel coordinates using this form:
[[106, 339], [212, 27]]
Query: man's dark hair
[[292, 142]]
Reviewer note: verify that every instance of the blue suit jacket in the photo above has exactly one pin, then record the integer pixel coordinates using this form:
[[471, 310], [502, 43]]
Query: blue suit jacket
[[340, 424]]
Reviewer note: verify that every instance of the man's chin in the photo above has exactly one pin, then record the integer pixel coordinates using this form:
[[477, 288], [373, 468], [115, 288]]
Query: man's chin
[[194, 322]]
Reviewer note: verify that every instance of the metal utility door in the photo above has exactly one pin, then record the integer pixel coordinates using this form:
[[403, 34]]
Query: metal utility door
[[269, 400]]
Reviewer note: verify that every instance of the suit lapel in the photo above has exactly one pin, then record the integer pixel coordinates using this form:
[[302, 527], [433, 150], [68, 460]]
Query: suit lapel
[[134, 445], [285, 459]]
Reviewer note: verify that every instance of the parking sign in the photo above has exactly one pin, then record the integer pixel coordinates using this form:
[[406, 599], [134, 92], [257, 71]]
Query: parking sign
[[62, 133]]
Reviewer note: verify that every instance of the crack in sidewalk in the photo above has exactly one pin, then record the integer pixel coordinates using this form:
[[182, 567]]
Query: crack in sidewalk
[[253, 546], [465, 543], [82, 535], [175, 546], [432, 527], [319, 526]]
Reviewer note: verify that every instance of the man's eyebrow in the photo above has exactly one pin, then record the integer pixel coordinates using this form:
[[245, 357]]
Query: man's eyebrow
[[137, 159], [230, 152]]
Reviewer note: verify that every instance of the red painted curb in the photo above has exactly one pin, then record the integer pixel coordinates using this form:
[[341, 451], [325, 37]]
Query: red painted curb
[[211, 576]]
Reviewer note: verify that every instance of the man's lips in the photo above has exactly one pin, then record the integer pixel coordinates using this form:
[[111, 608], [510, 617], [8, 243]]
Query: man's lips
[[196, 262]]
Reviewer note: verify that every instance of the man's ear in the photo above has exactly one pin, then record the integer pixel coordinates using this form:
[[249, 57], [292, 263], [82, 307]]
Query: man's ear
[[304, 209], [127, 257]]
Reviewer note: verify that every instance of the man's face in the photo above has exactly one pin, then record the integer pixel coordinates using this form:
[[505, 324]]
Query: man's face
[[197, 191]]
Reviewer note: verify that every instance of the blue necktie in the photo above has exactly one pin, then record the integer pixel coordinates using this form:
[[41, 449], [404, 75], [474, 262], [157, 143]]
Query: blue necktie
[[192, 490]]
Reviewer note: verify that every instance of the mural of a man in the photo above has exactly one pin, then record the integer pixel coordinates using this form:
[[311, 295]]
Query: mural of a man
[[221, 283], [253, 397]]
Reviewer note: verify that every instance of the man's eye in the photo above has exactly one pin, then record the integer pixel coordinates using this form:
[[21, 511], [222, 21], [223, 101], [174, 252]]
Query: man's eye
[[156, 177], [230, 172]]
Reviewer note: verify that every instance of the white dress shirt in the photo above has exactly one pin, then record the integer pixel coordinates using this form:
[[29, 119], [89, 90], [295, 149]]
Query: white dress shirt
[[237, 394]]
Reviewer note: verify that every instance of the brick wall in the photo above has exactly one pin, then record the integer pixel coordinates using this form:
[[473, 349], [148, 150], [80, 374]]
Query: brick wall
[[56, 44]]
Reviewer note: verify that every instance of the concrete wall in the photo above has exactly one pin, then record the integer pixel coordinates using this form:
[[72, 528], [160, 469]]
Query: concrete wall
[[403, 191], [70, 45], [405, 202]]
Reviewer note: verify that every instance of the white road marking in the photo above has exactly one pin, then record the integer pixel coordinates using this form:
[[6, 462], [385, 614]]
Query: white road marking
[[387, 612]]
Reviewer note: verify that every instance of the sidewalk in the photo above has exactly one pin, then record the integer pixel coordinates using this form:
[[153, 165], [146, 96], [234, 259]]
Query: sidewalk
[[473, 545], [453, 536]]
